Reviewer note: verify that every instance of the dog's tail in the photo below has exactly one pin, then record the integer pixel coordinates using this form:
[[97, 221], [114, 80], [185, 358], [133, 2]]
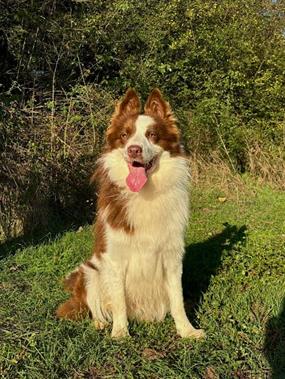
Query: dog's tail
[[76, 307]]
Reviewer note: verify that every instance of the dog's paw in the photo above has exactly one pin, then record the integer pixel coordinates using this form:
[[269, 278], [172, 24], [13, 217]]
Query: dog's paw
[[118, 333], [99, 325], [192, 333]]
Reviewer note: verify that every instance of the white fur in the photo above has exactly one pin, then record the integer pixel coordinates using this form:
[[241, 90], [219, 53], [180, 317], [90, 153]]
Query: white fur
[[150, 150], [139, 275]]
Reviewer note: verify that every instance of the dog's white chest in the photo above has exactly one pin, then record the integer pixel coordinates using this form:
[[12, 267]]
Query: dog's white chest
[[158, 220]]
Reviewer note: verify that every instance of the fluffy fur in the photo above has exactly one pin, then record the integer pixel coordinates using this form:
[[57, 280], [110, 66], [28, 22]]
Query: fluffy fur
[[136, 266]]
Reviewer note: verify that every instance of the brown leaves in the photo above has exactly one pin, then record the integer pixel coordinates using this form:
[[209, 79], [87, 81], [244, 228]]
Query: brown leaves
[[151, 354], [210, 373]]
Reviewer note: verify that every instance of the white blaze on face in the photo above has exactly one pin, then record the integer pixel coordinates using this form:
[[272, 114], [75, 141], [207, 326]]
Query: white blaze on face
[[149, 150]]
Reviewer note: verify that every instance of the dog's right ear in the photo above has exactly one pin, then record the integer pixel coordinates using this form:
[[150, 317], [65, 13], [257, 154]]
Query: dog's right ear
[[129, 105]]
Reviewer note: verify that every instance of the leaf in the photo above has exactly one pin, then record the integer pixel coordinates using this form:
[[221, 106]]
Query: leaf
[[152, 354], [210, 373]]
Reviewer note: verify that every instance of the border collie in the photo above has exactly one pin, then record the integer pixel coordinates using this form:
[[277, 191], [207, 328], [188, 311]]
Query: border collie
[[142, 211]]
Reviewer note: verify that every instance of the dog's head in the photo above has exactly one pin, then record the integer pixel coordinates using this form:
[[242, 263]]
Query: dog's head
[[141, 139]]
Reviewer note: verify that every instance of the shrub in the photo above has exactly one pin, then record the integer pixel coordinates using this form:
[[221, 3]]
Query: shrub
[[48, 153]]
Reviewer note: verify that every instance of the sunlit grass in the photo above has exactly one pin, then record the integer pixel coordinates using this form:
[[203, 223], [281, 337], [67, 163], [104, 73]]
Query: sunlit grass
[[234, 284]]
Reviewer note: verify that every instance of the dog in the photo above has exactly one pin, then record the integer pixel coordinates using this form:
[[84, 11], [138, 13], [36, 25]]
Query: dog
[[142, 210]]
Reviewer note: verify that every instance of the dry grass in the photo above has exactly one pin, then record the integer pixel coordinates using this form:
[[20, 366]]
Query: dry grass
[[264, 167], [268, 167], [215, 172]]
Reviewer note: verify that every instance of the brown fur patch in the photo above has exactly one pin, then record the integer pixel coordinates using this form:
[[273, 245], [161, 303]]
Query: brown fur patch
[[120, 130], [70, 280], [99, 232], [76, 307], [109, 196], [129, 105], [165, 128], [122, 124], [167, 135]]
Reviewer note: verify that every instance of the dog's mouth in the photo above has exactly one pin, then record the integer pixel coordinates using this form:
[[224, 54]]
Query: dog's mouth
[[147, 166], [139, 172]]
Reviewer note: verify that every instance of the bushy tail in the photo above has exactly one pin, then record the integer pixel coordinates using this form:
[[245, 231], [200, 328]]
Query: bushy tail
[[76, 307]]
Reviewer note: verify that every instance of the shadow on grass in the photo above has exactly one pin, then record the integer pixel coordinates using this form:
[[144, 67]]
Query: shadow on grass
[[55, 230], [203, 259], [274, 345]]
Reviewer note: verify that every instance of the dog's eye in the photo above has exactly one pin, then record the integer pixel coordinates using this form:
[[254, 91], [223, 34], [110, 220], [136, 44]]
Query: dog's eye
[[124, 136], [152, 136]]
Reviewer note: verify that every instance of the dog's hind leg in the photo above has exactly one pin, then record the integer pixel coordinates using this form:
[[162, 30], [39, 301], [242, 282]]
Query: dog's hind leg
[[94, 295], [75, 307]]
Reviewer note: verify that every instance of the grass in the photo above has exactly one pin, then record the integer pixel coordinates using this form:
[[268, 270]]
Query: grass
[[234, 283]]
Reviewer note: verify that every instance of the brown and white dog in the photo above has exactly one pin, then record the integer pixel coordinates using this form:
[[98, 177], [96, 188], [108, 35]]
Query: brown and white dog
[[136, 266]]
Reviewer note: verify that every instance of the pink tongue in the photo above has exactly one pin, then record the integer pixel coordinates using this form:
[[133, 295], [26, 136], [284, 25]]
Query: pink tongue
[[136, 178]]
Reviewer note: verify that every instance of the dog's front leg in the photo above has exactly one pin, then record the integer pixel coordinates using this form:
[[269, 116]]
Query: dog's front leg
[[175, 293], [116, 289]]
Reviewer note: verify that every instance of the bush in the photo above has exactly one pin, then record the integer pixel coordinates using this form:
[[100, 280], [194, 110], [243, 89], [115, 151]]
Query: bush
[[48, 154], [220, 63]]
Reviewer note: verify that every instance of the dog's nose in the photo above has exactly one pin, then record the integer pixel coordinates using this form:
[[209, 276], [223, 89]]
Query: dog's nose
[[134, 151]]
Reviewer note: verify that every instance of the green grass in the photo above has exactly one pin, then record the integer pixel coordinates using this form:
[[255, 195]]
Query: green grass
[[234, 282]]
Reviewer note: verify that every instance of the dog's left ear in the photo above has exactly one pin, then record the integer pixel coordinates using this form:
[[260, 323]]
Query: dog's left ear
[[157, 106]]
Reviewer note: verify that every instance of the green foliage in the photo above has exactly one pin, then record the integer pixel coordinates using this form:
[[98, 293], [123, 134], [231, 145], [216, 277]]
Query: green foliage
[[221, 60], [221, 64], [48, 154]]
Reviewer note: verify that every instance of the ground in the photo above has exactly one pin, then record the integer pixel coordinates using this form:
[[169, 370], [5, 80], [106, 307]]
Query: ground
[[234, 283]]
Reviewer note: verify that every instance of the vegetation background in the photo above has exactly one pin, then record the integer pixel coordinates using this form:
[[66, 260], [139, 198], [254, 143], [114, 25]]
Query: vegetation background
[[221, 64]]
